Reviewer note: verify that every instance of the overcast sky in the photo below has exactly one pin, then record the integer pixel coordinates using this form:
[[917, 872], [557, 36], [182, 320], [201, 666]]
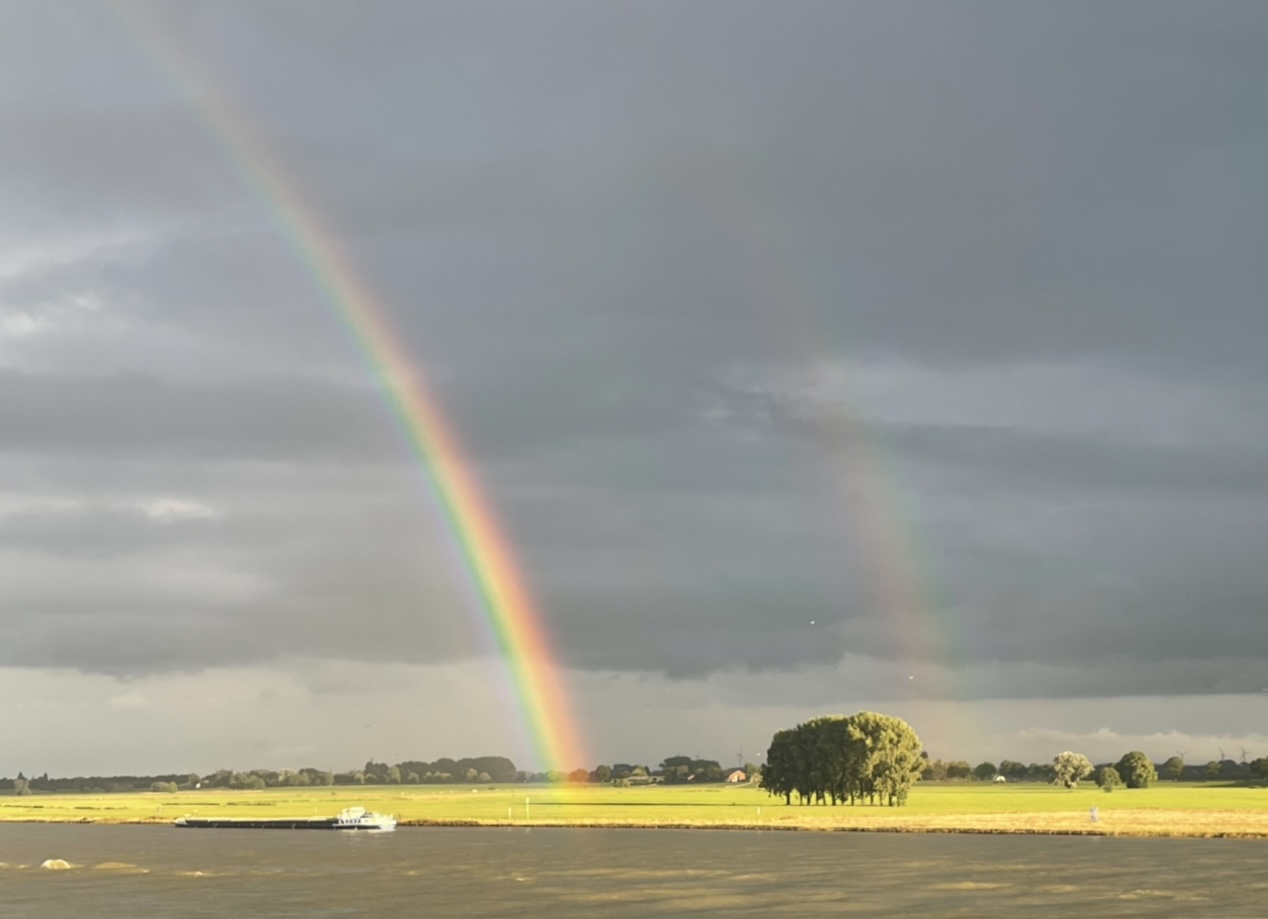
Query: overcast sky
[[816, 356]]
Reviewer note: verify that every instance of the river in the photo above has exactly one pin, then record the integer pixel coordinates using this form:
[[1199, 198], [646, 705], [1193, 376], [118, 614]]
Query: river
[[145, 871]]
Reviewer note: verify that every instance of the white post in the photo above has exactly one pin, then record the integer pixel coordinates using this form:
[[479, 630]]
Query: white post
[[526, 807]]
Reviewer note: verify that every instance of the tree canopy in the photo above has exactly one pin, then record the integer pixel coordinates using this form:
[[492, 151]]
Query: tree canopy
[[834, 758], [1137, 770], [1068, 768]]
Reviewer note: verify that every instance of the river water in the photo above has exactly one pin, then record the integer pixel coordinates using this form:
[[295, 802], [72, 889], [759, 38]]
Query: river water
[[142, 871]]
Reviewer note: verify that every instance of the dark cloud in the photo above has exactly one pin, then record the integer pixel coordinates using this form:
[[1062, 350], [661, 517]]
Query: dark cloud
[[673, 271]]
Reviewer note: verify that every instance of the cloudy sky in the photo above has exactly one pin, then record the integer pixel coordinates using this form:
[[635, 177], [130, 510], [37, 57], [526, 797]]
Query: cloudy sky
[[815, 356]]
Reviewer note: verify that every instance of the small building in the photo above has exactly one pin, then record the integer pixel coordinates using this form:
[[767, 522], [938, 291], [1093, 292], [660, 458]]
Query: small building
[[737, 777]]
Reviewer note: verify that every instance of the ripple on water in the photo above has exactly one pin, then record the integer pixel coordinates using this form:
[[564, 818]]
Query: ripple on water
[[121, 868], [56, 864]]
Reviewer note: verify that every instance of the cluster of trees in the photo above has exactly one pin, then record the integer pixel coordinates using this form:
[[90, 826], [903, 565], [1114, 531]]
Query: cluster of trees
[[936, 770], [483, 769], [866, 756], [1134, 770], [21, 785], [263, 778]]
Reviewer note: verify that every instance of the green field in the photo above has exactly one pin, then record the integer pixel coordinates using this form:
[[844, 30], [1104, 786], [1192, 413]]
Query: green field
[[1167, 809]]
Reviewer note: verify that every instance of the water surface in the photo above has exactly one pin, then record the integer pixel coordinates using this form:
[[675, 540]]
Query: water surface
[[145, 871]]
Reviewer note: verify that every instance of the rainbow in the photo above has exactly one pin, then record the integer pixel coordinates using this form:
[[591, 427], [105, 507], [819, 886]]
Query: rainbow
[[506, 605], [875, 508]]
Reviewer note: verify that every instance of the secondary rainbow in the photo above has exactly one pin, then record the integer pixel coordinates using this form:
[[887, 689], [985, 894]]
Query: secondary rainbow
[[505, 603], [875, 507]]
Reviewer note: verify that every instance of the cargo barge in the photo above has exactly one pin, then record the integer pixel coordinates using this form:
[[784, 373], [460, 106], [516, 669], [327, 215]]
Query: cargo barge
[[350, 818]]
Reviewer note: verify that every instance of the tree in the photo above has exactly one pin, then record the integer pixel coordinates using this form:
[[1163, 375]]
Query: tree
[[778, 778], [603, 773], [579, 776], [892, 749], [21, 785], [412, 778], [1136, 770], [835, 759], [1212, 769], [1068, 768], [935, 770], [1108, 778], [1011, 770], [472, 775], [1174, 768], [394, 775], [1259, 768], [959, 770], [984, 772]]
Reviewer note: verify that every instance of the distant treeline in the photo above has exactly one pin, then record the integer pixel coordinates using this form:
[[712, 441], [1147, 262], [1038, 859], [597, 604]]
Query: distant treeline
[[467, 771], [790, 770], [1173, 769]]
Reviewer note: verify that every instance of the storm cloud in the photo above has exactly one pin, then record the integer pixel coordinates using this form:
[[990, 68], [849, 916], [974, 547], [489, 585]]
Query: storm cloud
[[789, 341]]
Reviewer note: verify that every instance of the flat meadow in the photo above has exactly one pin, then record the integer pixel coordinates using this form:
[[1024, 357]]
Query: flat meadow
[[1167, 809]]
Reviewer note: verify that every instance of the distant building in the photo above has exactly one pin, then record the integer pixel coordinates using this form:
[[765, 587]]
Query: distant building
[[737, 776]]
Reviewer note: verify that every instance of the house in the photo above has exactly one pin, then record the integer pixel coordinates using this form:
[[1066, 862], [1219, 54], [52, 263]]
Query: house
[[736, 777]]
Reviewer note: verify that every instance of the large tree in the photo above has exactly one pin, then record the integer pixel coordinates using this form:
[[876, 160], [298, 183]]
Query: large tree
[[1068, 768], [1137, 770], [867, 756]]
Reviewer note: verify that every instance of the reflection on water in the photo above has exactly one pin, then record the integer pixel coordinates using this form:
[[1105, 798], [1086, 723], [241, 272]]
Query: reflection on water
[[163, 872]]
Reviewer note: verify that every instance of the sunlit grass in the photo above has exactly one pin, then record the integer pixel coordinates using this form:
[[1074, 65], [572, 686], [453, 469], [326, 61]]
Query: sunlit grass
[[1167, 809]]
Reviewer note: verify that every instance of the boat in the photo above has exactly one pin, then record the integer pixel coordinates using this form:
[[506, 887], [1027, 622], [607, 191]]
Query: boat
[[350, 818]]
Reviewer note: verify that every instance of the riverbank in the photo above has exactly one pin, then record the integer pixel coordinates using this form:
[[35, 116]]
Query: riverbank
[[1172, 810]]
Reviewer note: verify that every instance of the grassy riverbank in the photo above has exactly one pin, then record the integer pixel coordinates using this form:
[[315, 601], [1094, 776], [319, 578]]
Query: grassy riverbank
[[1202, 810]]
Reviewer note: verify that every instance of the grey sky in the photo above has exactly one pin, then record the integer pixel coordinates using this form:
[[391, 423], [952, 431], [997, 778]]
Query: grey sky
[[813, 354]]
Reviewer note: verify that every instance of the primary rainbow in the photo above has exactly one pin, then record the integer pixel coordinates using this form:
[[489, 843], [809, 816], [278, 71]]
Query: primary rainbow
[[507, 607]]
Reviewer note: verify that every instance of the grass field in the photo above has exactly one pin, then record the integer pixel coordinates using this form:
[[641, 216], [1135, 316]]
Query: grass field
[[1168, 809]]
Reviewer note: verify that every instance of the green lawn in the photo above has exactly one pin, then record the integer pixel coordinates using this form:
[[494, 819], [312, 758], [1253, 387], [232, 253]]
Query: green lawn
[[1166, 809]]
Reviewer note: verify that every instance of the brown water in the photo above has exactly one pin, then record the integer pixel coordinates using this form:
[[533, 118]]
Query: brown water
[[141, 872]]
